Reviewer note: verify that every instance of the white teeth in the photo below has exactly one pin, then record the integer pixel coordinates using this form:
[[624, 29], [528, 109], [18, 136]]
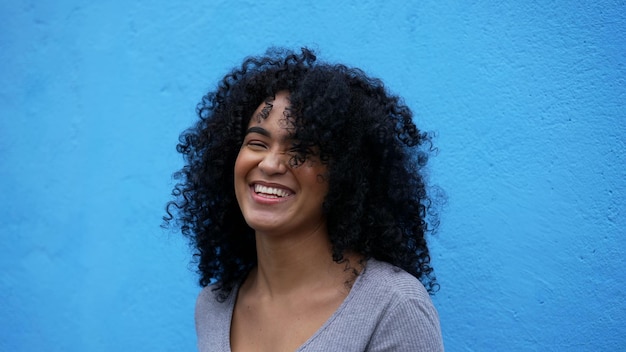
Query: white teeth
[[270, 191]]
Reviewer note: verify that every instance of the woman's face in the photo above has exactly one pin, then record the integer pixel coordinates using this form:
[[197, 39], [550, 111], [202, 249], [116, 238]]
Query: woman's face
[[276, 197]]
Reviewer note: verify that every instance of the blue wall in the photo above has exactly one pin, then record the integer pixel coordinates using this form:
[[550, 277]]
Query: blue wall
[[527, 100]]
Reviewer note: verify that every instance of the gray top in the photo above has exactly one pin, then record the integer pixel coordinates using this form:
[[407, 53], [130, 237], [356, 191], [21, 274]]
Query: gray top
[[387, 309]]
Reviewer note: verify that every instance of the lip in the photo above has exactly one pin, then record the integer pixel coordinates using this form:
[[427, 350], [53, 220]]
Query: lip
[[266, 200]]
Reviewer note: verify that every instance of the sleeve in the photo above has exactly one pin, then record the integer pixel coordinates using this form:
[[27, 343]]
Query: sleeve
[[412, 324]]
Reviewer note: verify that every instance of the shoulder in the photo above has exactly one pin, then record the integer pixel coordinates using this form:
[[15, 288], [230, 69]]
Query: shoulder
[[408, 321], [209, 309], [391, 281], [212, 317], [396, 293], [208, 300]]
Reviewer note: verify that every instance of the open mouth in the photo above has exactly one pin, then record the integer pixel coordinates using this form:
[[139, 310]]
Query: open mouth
[[270, 192]]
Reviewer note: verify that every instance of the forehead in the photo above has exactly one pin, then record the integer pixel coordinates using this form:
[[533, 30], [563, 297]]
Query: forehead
[[273, 116]]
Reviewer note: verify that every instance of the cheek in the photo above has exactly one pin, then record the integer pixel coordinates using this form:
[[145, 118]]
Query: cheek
[[315, 178], [242, 163], [241, 168], [239, 179]]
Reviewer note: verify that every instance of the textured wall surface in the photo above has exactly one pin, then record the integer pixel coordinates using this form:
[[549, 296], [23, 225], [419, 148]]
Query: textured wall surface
[[527, 99]]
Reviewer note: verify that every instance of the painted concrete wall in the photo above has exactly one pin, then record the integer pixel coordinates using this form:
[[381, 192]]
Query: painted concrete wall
[[527, 98]]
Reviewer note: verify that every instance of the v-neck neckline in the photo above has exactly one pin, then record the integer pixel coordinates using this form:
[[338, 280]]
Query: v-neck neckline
[[232, 300]]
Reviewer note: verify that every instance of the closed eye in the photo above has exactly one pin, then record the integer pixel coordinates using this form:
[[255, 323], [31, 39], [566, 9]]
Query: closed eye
[[256, 145]]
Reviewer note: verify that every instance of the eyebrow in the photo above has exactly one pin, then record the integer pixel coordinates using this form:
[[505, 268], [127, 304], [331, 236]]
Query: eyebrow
[[260, 130]]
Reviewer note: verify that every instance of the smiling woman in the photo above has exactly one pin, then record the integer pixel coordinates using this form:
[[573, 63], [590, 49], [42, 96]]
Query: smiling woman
[[305, 197]]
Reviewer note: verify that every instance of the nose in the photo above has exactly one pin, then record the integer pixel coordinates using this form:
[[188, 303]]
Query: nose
[[274, 162]]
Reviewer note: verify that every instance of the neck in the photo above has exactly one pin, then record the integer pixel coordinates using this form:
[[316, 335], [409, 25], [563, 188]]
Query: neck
[[295, 264]]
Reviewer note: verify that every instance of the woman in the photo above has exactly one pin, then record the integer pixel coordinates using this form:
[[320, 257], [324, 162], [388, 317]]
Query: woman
[[304, 195]]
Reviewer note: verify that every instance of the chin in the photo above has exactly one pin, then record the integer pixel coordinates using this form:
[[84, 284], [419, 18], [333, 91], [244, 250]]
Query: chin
[[262, 225]]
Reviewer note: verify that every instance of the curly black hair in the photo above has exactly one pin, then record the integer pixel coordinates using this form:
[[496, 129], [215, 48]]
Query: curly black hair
[[377, 204]]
